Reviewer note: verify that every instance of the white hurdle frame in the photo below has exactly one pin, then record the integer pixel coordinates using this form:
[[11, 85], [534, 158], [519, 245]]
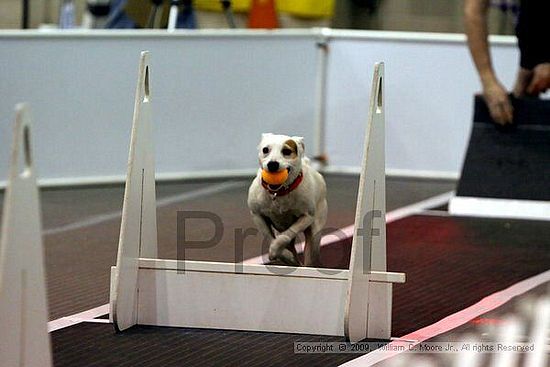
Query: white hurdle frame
[[355, 303], [24, 339]]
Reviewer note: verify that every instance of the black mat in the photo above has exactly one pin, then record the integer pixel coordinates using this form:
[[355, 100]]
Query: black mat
[[511, 163], [451, 263], [98, 345]]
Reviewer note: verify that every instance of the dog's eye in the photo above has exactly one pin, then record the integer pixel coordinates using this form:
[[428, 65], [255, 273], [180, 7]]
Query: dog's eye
[[286, 151], [265, 150]]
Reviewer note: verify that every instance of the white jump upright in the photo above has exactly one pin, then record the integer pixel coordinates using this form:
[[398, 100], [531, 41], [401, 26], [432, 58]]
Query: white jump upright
[[369, 305], [145, 290], [138, 230], [24, 339]]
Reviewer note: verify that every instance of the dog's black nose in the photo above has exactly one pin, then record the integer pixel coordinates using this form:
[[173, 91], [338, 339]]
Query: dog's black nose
[[273, 166]]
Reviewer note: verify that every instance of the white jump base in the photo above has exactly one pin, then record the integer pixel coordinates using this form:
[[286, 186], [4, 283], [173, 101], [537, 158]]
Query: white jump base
[[499, 208], [261, 291], [354, 303]]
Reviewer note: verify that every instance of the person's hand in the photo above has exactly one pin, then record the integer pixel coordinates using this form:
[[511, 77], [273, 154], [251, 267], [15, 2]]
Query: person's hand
[[500, 107], [523, 79], [540, 81]]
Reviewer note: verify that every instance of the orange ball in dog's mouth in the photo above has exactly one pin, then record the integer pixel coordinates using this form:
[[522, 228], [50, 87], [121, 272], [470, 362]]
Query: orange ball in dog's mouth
[[275, 178]]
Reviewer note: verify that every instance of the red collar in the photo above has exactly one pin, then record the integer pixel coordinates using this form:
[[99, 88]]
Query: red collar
[[282, 191]]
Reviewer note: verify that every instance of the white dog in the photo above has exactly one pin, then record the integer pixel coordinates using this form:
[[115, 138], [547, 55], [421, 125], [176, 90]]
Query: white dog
[[282, 211]]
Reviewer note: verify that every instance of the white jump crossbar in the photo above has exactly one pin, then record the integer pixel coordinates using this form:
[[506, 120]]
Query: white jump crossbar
[[24, 339], [355, 303]]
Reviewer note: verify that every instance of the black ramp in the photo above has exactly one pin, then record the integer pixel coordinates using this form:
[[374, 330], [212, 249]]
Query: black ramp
[[509, 163]]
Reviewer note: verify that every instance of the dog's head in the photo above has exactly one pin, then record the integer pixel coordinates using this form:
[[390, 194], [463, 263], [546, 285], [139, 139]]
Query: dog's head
[[279, 152]]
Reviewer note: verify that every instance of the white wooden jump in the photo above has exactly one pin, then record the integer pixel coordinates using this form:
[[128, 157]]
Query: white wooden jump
[[355, 303], [24, 339]]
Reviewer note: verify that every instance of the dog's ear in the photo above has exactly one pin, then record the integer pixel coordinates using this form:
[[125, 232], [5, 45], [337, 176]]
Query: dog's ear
[[301, 146]]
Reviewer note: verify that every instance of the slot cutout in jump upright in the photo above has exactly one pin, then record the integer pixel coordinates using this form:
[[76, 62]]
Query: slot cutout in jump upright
[[145, 290]]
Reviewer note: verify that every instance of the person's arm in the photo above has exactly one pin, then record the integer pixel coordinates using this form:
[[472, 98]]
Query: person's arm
[[496, 96]]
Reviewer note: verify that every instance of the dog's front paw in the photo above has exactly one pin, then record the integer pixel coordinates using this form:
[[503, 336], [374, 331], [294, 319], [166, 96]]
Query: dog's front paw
[[278, 244], [278, 251]]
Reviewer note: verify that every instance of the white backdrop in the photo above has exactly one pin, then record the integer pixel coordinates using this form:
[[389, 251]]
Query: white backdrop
[[214, 92], [212, 98]]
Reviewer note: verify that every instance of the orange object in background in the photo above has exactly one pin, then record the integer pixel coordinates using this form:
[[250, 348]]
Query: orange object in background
[[263, 14]]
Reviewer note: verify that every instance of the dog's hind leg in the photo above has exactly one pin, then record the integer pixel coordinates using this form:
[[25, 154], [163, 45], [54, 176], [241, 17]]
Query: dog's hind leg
[[311, 249], [292, 248]]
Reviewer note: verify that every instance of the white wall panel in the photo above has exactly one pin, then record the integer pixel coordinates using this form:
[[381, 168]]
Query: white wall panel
[[212, 97], [430, 83]]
